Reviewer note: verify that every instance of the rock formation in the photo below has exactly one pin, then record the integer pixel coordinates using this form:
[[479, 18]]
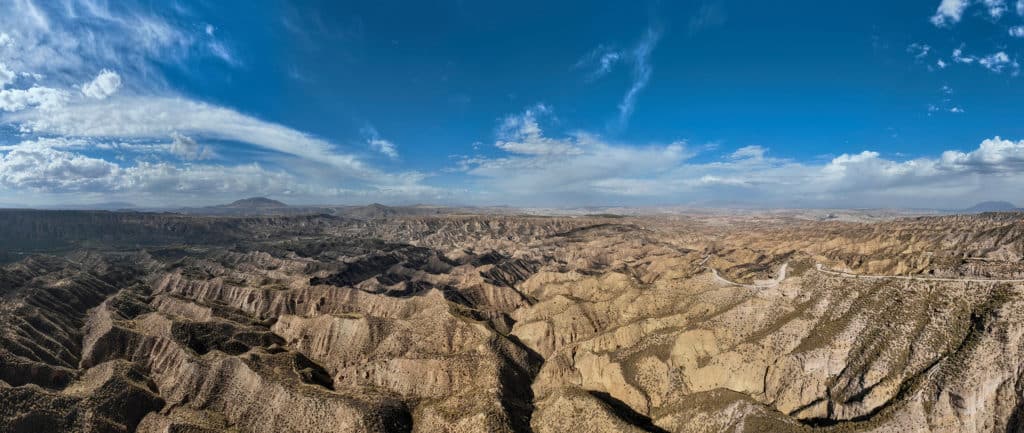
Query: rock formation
[[122, 322]]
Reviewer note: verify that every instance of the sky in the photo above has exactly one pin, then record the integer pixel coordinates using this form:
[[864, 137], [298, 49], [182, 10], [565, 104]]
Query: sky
[[875, 103]]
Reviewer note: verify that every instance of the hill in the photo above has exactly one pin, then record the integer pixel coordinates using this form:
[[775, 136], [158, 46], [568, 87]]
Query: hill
[[991, 206], [254, 203]]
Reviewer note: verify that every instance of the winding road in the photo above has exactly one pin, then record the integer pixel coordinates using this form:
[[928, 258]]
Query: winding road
[[758, 284]]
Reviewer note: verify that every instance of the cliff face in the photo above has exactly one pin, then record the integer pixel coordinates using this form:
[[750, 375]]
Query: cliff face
[[471, 323]]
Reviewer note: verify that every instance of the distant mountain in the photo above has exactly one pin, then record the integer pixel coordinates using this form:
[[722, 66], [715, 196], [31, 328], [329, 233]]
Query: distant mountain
[[991, 206], [368, 212], [254, 203]]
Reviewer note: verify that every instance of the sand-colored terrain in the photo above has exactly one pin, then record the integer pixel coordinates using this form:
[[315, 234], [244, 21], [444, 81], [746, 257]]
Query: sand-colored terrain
[[471, 323]]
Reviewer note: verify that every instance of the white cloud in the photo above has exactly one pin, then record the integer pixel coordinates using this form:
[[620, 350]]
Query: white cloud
[[600, 172], [998, 62], [709, 15], [7, 76], [222, 52], [540, 167], [941, 64], [373, 138], [67, 41], [61, 45], [749, 152], [1020, 7], [149, 117], [43, 166], [105, 84], [1017, 31], [919, 51], [228, 181], [993, 156], [949, 12], [37, 166], [521, 134], [187, 148], [384, 146], [642, 70], [996, 8], [45, 98], [959, 57], [602, 59]]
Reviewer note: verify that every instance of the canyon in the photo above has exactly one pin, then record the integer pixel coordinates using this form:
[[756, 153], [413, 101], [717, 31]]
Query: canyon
[[379, 320]]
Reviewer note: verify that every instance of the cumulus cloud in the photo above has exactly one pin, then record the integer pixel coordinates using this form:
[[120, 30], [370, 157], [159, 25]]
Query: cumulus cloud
[[1017, 31], [521, 134], [574, 166], [105, 84], [993, 156], [36, 166], [7, 76], [48, 166], [586, 169], [949, 12], [45, 98]]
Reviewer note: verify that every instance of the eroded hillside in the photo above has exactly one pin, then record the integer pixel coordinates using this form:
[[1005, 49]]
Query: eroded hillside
[[703, 323]]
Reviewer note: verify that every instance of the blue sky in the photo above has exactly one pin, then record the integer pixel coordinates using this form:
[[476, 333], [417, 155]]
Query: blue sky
[[810, 103]]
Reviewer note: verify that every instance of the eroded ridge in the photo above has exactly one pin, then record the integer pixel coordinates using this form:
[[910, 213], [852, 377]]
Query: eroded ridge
[[467, 323]]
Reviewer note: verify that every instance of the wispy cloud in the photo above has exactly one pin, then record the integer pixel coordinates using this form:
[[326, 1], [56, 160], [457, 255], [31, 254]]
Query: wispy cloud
[[151, 138], [374, 140], [709, 15], [919, 50], [600, 60], [603, 59], [642, 70]]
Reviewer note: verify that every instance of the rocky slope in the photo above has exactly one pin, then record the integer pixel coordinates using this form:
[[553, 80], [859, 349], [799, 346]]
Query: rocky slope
[[166, 323]]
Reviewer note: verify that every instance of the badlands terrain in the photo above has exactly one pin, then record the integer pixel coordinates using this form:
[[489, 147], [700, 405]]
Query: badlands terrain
[[372, 320]]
